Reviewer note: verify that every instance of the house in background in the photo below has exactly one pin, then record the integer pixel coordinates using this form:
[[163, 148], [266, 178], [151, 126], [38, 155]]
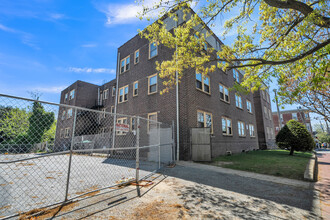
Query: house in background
[[235, 120], [301, 115]]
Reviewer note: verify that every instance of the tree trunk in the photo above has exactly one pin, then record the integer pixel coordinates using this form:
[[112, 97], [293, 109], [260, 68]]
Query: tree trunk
[[291, 151]]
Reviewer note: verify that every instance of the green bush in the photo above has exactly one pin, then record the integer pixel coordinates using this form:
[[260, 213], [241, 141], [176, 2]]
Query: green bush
[[295, 137]]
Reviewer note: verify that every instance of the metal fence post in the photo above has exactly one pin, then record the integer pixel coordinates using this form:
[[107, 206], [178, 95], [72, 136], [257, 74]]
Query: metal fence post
[[137, 164], [70, 158], [173, 143]]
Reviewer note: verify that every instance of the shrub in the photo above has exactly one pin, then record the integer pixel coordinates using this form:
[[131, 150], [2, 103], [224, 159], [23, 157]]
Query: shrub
[[295, 137]]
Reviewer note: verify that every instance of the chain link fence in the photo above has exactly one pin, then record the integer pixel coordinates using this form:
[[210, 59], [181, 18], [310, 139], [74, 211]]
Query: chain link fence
[[51, 153]]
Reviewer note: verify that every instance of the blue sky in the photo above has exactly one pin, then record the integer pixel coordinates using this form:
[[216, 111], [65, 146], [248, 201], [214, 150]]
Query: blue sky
[[46, 45]]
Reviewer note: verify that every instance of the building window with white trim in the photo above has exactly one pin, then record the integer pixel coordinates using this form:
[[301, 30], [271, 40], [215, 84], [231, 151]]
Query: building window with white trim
[[152, 121], [152, 84], [251, 129], [241, 128], [67, 133], [63, 115], [224, 93], [66, 97], [236, 75], [113, 90], [226, 126], [238, 100], [72, 92], [294, 116], [265, 112], [248, 106], [136, 56], [203, 82], [153, 50], [123, 94], [204, 120], [69, 113], [121, 121], [135, 88], [124, 64], [105, 94]]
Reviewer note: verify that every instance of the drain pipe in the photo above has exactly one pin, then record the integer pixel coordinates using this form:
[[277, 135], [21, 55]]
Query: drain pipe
[[116, 98], [177, 100]]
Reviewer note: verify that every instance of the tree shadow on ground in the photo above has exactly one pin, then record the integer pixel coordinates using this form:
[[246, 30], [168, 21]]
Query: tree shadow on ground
[[298, 197]]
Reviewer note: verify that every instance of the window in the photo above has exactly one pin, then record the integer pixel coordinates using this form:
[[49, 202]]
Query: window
[[265, 112], [221, 62], [248, 106], [152, 121], [66, 97], [238, 101], [104, 114], [67, 133], [224, 93], [306, 115], [123, 94], [105, 94], [133, 124], [135, 88], [270, 114], [152, 84], [63, 115], [277, 128], [251, 129], [72, 94], [121, 121], [203, 82], [136, 56], [124, 64], [112, 109], [241, 129], [69, 113], [61, 133], [294, 116], [113, 90], [153, 50], [236, 75], [226, 126], [204, 120]]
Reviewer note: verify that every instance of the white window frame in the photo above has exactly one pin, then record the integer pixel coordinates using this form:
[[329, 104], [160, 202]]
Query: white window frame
[[251, 130], [69, 114], [238, 101], [203, 83], [126, 64], [224, 89], [137, 89], [204, 118], [66, 97], [149, 77], [105, 94], [138, 57], [67, 133], [241, 128], [63, 115], [113, 90], [123, 95], [266, 112], [248, 106], [226, 126], [154, 42], [236, 75], [149, 122], [72, 94]]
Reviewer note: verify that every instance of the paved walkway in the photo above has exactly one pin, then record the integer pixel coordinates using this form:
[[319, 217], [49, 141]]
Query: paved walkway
[[323, 185]]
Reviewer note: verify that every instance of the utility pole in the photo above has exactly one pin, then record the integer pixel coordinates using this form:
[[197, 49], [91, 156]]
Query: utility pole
[[278, 109]]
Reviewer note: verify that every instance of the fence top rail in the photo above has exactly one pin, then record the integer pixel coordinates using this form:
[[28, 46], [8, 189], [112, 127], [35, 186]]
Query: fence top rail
[[78, 108]]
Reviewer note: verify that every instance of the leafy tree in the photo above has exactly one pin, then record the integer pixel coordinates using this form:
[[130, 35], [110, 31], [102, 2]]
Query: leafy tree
[[13, 123], [295, 136], [40, 122], [49, 135], [283, 40]]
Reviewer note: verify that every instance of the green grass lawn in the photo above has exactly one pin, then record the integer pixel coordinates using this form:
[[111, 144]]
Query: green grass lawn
[[271, 162]]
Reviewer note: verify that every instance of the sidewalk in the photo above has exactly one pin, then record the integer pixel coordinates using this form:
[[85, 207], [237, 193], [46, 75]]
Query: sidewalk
[[323, 185]]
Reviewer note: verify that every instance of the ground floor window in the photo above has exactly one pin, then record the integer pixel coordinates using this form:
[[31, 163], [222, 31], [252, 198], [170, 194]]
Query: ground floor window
[[241, 128], [204, 120], [226, 126]]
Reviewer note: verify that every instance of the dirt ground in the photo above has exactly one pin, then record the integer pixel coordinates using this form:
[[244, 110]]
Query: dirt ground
[[175, 198]]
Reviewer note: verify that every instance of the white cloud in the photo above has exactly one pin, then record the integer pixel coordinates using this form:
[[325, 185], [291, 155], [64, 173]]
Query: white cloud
[[91, 70], [57, 16], [54, 89], [123, 13], [7, 29], [89, 45]]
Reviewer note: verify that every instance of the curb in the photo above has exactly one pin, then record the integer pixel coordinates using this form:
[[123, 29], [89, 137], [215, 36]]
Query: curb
[[311, 171]]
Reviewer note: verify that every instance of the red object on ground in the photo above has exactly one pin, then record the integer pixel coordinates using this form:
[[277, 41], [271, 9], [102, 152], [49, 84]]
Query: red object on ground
[[323, 184]]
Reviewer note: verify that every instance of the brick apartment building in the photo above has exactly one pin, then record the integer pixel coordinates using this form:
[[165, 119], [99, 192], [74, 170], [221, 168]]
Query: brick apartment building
[[238, 122], [301, 115]]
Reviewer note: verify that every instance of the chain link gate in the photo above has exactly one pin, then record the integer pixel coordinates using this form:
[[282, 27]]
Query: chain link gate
[[51, 153]]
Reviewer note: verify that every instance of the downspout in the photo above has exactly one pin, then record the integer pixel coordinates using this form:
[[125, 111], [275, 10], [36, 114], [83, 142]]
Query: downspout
[[116, 98], [177, 100]]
